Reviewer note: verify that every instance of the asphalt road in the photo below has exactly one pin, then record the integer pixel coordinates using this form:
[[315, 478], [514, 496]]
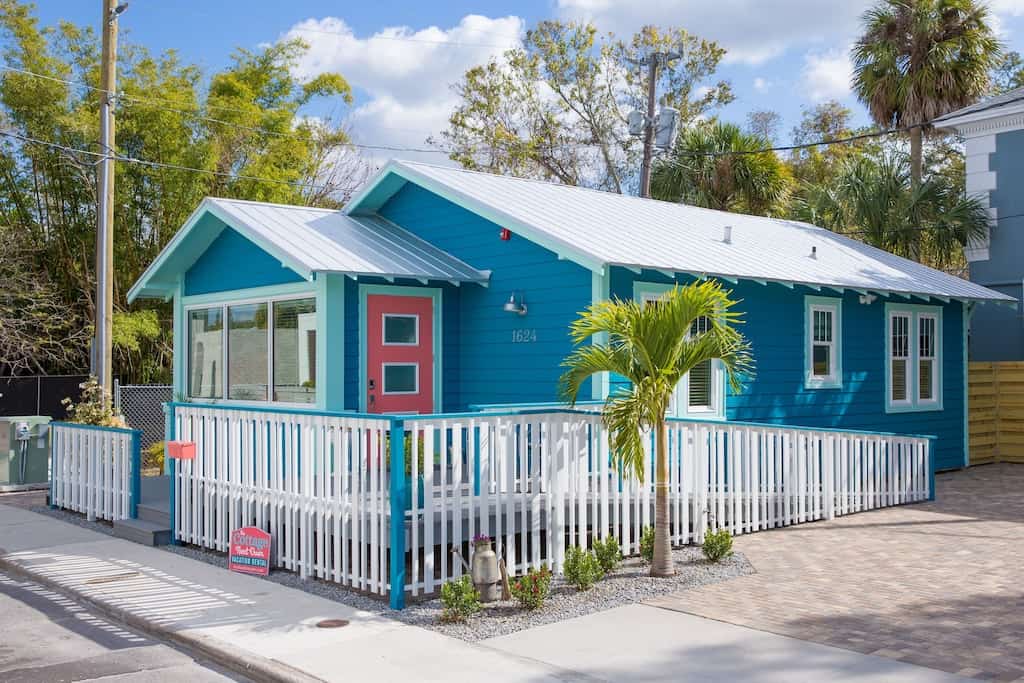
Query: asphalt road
[[45, 637]]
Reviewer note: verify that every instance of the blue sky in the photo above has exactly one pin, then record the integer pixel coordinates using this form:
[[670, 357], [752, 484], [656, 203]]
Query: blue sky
[[401, 57]]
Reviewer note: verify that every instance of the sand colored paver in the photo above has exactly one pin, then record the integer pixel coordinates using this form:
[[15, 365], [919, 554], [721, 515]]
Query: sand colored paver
[[938, 584]]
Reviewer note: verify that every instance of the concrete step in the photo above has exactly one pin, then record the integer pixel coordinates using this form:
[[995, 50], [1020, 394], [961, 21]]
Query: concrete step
[[142, 531], [158, 513]]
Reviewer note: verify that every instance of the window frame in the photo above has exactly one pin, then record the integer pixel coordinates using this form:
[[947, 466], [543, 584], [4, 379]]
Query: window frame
[[402, 364], [384, 328], [201, 302], [680, 404], [914, 403], [833, 305]]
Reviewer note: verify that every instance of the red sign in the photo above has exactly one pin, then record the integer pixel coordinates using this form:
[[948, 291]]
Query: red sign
[[250, 551]]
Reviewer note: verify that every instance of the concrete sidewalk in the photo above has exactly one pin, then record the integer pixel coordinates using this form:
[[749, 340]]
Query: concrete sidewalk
[[269, 631]]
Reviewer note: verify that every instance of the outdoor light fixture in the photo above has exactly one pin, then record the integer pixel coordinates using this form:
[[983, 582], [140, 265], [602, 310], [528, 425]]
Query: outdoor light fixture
[[512, 306], [867, 299]]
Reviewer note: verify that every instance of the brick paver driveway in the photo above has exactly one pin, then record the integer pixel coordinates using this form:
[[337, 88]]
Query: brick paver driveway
[[938, 584]]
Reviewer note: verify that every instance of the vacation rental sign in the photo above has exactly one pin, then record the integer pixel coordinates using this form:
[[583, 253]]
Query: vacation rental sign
[[249, 552]]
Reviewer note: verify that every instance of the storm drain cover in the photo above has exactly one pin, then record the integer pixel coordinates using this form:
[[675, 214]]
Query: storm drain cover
[[332, 623]]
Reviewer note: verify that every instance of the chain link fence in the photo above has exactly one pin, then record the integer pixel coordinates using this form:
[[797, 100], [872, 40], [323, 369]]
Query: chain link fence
[[142, 406]]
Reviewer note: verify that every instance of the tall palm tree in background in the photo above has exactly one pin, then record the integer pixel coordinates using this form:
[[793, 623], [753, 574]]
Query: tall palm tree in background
[[653, 347], [874, 200], [920, 59], [704, 169]]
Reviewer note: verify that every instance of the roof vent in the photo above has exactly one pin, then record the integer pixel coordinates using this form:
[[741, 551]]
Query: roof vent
[[728, 235], [814, 252]]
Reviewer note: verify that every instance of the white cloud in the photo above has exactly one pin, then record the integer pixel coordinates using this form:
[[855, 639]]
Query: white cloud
[[403, 76], [1013, 8], [827, 76], [760, 84]]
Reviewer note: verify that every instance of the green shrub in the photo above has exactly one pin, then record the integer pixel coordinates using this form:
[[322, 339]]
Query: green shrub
[[582, 568], [93, 408], [608, 554], [647, 544], [460, 599], [532, 590], [717, 545], [153, 457]]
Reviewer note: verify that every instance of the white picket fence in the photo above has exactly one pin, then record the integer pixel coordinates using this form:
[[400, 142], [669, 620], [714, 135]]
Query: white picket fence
[[539, 482], [94, 470], [317, 483]]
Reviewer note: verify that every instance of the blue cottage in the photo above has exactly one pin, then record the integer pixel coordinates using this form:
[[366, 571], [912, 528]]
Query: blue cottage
[[443, 290]]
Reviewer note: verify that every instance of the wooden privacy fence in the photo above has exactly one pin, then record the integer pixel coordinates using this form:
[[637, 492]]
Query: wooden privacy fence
[[380, 503], [996, 412], [95, 470]]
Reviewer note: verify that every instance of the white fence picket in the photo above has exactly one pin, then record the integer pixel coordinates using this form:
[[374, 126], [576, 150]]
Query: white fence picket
[[91, 470]]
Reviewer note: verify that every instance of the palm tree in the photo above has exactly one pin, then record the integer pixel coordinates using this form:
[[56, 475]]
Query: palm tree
[[920, 59], [874, 200], [704, 170], [653, 347]]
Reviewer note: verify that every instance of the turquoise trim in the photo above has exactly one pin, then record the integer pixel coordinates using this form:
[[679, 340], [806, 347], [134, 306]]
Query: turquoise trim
[[836, 304], [136, 482], [965, 318], [599, 291], [170, 432], [399, 493], [268, 291], [278, 410], [98, 428], [551, 405], [718, 375], [913, 406], [401, 290], [179, 341], [331, 342], [769, 426], [932, 460]]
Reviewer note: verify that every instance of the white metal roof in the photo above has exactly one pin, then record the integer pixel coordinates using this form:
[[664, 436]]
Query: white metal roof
[[1008, 103], [599, 228], [316, 240]]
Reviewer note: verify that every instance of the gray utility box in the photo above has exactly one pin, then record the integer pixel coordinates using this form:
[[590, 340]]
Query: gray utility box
[[24, 438]]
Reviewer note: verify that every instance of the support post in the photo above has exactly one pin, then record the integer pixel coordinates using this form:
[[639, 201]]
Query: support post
[[136, 483], [169, 435], [828, 474], [398, 484], [648, 153], [931, 468]]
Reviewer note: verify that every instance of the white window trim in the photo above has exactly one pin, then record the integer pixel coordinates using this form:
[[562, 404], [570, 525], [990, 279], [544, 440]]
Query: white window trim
[[383, 383], [914, 403], [224, 304], [383, 328], [680, 404], [834, 380]]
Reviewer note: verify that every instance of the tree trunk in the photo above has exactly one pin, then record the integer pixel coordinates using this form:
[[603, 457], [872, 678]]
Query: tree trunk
[[915, 157], [662, 564]]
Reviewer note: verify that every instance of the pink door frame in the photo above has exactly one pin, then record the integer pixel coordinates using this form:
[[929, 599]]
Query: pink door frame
[[381, 355]]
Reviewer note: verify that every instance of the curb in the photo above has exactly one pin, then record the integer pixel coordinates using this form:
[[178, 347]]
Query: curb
[[255, 667]]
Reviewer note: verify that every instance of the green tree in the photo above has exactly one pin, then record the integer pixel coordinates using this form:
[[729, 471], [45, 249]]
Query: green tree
[[247, 121], [919, 59], [1008, 73], [652, 347], [874, 200], [712, 165], [556, 108]]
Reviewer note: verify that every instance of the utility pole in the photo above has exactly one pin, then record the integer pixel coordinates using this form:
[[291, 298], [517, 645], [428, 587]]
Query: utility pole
[[105, 209], [652, 61]]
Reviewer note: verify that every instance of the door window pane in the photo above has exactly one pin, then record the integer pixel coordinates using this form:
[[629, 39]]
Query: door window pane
[[401, 330], [295, 351], [206, 353], [899, 346], [926, 356], [401, 378], [247, 352]]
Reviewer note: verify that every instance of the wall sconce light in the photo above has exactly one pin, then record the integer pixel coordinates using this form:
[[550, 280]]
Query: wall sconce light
[[512, 306], [867, 299]]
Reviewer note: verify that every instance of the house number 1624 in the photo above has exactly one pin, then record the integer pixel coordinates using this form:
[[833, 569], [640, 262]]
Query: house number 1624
[[524, 336]]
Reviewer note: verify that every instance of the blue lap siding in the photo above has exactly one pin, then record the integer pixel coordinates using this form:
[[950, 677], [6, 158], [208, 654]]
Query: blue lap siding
[[775, 326], [233, 262], [492, 367]]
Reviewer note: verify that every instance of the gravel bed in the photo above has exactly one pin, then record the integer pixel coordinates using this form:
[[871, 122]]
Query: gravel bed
[[626, 585]]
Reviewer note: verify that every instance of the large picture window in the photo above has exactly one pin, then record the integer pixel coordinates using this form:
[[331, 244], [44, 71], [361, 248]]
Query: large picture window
[[914, 358], [259, 350]]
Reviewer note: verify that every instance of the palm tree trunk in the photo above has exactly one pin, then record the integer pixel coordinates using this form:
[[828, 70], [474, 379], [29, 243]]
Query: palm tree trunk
[[662, 564], [915, 157]]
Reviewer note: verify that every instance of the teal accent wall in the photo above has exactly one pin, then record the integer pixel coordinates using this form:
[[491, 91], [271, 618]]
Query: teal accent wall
[[233, 262], [491, 367], [778, 395]]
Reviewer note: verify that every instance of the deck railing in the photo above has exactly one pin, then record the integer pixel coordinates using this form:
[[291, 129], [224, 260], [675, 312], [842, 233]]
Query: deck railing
[[387, 503], [95, 470]]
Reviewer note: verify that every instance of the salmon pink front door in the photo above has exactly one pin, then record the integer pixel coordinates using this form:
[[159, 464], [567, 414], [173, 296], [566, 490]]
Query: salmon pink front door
[[399, 354]]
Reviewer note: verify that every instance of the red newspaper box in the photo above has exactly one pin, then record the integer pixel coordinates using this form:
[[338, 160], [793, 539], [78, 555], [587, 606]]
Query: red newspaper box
[[181, 450], [249, 552]]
